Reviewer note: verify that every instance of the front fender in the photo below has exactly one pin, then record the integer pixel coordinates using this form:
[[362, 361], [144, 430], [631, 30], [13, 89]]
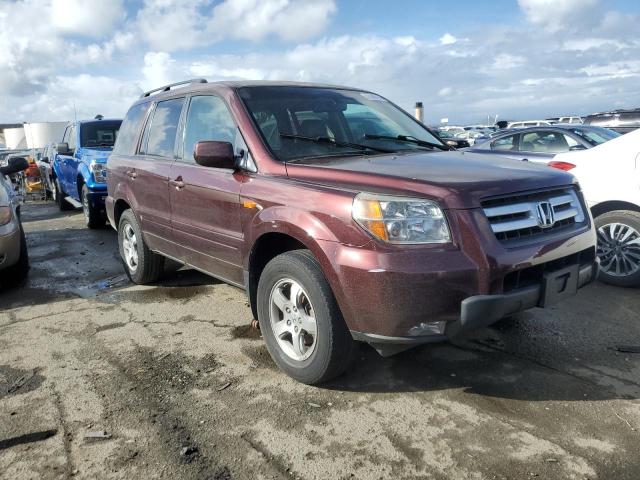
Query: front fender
[[87, 178]]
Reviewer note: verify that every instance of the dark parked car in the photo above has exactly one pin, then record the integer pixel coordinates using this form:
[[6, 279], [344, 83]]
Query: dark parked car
[[339, 229], [622, 121], [540, 144]]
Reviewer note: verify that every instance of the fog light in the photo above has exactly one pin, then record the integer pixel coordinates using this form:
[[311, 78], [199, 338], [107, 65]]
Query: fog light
[[430, 328]]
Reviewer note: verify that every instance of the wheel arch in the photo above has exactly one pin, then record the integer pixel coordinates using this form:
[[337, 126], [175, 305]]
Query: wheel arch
[[119, 208], [612, 205]]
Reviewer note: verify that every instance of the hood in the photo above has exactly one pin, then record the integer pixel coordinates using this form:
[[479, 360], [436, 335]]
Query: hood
[[98, 154], [456, 179]]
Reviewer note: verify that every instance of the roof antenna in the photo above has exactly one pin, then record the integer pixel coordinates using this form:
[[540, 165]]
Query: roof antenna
[[75, 114]]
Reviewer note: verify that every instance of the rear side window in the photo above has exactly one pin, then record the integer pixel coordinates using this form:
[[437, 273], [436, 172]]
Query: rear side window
[[126, 140], [505, 143], [160, 137]]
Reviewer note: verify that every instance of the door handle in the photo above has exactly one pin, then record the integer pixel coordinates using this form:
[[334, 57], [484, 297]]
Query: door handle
[[178, 183], [132, 173]]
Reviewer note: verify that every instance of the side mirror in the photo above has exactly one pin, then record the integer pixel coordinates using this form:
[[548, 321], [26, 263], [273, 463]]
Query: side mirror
[[214, 154], [45, 159], [15, 165], [63, 148]]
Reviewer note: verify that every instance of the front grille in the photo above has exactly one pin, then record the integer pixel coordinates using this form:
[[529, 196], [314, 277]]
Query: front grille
[[534, 214]]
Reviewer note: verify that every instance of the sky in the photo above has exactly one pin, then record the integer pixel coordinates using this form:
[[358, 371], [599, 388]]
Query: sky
[[465, 60]]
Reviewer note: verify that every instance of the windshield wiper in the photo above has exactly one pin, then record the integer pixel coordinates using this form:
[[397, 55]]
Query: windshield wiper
[[331, 141], [407, 139]]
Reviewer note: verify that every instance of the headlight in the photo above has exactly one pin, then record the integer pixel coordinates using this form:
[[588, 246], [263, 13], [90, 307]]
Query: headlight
[[401, 219], [5, 215], [99, 171]]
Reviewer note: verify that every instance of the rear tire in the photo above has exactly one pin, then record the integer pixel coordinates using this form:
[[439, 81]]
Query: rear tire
[[93, 217], [16, 274], [332, 347], [140, 264], [59, 195], [619, 247]]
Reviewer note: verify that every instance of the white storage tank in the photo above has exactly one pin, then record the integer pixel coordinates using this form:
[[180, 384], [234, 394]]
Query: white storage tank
[[14, 138], [41, 134]]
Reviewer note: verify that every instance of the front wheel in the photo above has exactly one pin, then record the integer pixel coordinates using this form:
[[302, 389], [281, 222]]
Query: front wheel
[[300, 319], [619, 247], [94, 216], [141, 264]]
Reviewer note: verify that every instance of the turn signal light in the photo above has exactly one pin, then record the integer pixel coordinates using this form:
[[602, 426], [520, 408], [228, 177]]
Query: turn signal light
[[566, 166]]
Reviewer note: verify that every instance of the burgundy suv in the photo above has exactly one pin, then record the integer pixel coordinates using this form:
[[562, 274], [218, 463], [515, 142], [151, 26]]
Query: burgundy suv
[[341, 216]]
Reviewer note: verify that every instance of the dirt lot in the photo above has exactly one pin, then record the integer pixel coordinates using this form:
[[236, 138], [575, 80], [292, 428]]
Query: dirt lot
[[185, 389]]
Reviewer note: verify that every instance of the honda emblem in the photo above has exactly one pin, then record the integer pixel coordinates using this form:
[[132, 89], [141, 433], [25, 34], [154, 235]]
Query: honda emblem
[[546, 217]]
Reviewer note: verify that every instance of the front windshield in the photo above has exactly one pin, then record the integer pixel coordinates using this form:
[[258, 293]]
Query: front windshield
[[596, 135], [99, 134], [293, 119]]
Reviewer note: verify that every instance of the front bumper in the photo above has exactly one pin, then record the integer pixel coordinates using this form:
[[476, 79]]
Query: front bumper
[[399, 297]]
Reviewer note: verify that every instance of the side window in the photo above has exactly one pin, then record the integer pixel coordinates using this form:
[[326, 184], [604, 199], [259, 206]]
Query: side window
[[208, 118], [72, 138], [65, 137], [126, 139], [505, 143], [161, 137], [544, 142]]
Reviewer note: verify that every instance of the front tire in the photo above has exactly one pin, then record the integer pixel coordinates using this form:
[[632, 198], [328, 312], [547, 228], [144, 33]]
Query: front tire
[[619, 247], [300, 319], [141, 264], [58, 196], [93, 217]]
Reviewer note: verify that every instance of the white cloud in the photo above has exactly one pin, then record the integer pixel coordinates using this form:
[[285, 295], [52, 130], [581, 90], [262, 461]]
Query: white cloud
[[93, 18], [448, 39], [557, 15], [171, 25]]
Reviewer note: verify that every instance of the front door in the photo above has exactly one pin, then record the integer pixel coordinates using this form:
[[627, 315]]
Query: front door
[[149, 177], [206, 201]]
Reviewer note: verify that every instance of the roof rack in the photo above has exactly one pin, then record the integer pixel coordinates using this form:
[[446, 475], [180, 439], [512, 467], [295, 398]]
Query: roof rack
[[166, 88]]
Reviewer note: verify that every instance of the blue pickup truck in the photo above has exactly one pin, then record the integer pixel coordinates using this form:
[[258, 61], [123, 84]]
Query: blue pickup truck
[[79, 167]]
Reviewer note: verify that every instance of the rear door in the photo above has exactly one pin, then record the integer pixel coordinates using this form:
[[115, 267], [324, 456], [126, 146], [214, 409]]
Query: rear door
[[206, 201], [149, 176]]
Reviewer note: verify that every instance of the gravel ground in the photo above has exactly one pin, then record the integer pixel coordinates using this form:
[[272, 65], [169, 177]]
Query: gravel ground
[[175, 384]]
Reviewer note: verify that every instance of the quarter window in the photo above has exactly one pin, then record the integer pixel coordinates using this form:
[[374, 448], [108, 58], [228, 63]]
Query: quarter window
[[208, 119], [161, 136]]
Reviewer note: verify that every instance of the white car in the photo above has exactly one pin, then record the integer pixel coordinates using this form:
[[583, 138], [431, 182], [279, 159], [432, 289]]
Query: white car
[[609, 175], [529, 123]]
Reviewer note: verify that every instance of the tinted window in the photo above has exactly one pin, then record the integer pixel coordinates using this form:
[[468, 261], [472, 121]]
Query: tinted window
[[161, 136], [99, 134], [297, 121], [544, 142], [125, 144], [208, 119], [504, 143], [596, 135]]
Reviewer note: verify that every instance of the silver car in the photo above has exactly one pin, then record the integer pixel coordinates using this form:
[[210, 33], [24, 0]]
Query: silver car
[[14, 260]]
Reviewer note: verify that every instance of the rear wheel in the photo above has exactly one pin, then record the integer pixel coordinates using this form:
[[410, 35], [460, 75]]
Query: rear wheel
[[619, 247], [94, 216], [300, 319], [141, 264], [58, 196]]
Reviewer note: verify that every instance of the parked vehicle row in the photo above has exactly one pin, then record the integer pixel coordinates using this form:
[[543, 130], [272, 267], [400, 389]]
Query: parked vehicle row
[[341, 216]]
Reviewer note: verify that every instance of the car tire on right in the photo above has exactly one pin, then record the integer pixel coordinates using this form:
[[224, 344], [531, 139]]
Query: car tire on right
[[300, 319], [619, 247]]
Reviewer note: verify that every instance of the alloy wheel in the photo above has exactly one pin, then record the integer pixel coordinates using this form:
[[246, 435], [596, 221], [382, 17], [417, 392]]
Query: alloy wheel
[[293, 320], [619, 249], [130, 247]]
